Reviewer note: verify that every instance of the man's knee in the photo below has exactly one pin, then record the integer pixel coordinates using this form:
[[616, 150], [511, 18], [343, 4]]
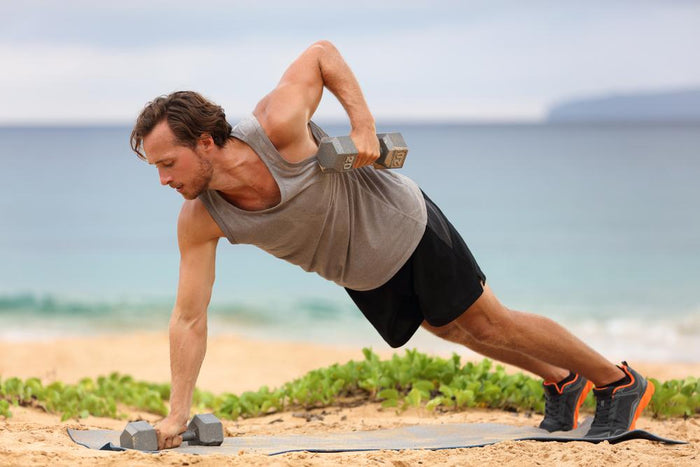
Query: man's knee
[[488, 321], [484, 330], [450, 332]]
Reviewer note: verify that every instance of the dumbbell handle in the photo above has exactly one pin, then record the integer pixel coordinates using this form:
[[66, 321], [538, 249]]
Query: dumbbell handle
[[338, 153], [189, 435]]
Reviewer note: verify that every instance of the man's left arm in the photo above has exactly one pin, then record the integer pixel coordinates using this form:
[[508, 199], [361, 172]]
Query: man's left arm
[[286, 111]]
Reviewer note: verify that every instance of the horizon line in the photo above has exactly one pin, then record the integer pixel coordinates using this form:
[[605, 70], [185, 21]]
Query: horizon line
[[380, 122]]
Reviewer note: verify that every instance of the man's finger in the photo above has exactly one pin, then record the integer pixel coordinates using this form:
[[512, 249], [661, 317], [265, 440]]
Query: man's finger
[[173, 442], [364, 159]]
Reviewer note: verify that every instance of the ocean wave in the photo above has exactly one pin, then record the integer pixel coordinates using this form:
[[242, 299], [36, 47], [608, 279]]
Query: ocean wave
[[37, 317], [29, 316], [48, 305]]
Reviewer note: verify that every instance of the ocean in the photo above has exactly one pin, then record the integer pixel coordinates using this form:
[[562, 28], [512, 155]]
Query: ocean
[[595, 226]]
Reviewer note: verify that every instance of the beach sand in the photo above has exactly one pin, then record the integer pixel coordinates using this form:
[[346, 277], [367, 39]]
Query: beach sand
[[236, 364]]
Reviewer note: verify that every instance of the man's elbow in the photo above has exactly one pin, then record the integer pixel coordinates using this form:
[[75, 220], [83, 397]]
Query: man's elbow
[[185, 318], [324, 46]]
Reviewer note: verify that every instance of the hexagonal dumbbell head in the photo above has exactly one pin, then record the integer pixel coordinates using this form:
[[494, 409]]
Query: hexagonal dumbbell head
[[206, 430], [139, 435], [336, 154], [393, 150]]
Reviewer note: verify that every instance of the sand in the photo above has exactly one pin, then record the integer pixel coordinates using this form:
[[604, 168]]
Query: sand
[[235, 364]]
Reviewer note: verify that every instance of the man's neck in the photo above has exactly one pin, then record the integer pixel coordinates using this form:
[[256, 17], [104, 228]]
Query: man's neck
[[243, 179]]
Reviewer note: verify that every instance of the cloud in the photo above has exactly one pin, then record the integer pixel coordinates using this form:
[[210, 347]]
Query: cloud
[[414, 59]]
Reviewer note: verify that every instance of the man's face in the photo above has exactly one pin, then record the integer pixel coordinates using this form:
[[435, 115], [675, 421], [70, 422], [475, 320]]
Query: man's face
[[179, 167]]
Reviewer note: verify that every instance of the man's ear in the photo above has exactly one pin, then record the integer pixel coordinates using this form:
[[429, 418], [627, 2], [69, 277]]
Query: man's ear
[[205, 141]]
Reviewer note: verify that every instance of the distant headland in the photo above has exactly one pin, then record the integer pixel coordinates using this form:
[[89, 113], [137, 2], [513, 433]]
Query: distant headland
[[681, 106]]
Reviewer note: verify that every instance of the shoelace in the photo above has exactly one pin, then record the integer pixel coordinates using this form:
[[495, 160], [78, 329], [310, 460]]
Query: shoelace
[[553, 407], [602, 411]]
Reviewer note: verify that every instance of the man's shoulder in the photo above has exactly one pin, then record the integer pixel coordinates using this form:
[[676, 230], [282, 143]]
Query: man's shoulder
[[195, 224], [286, 126]]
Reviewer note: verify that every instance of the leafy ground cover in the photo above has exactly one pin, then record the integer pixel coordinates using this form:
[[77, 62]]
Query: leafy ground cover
[[410, 380]]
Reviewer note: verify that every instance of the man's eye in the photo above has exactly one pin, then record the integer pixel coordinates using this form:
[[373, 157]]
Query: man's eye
[[167, 164]]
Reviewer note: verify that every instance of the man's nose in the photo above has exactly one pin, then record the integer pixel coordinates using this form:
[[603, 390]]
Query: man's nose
[[165, 179]]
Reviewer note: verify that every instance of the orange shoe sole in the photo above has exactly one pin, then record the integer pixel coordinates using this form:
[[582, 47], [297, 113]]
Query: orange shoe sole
[[646, 398]]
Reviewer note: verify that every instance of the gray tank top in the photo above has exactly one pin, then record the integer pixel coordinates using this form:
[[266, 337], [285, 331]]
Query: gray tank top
[[355, 228]]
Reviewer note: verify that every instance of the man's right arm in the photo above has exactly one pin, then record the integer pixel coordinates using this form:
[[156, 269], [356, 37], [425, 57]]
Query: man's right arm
[[285, 112], [198, 236]]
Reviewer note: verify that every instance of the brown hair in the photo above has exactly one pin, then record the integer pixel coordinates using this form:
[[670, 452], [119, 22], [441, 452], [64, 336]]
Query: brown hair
[[189, 116]]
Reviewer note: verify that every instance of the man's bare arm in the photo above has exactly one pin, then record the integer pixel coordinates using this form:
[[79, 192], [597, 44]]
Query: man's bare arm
[[197, 237], [286, 111]]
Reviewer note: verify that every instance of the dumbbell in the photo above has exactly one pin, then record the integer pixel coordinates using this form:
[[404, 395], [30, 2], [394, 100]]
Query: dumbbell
[[203, 430], [338, 153]]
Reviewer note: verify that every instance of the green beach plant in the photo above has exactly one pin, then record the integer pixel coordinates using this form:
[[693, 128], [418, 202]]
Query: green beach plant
[[413, 379], [98, 397]]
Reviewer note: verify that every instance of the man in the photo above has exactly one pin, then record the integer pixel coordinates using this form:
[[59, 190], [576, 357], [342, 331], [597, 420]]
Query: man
[[371, 231]]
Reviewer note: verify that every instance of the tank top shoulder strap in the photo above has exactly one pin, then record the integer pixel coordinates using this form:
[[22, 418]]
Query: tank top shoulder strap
[[317, 132], [252, 133]]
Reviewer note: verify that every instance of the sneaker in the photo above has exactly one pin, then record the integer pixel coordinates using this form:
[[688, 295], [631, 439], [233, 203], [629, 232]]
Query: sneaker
[[562, 403], [619, 406]]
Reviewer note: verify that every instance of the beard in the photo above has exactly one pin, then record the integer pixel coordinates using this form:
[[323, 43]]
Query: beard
[[200, 182]]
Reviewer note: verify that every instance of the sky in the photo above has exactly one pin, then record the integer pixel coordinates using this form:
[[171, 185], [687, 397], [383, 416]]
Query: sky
[[87, 62]]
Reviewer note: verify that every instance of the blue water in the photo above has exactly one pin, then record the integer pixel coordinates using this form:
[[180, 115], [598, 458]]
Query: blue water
[[595, 226]]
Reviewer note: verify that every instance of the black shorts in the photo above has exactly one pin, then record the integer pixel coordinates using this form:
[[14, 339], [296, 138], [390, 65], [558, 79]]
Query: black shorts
[[437, 284]]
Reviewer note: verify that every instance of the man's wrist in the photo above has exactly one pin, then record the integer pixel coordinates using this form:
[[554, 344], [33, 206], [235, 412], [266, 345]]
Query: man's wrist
[[179, 415], [363, 124]]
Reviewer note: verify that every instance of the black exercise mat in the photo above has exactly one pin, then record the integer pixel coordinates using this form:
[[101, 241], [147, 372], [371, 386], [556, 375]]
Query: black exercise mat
[[433, 437]]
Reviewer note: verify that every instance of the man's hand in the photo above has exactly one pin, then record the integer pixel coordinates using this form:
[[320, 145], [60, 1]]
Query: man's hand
[[367, 145], [169, 432]]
